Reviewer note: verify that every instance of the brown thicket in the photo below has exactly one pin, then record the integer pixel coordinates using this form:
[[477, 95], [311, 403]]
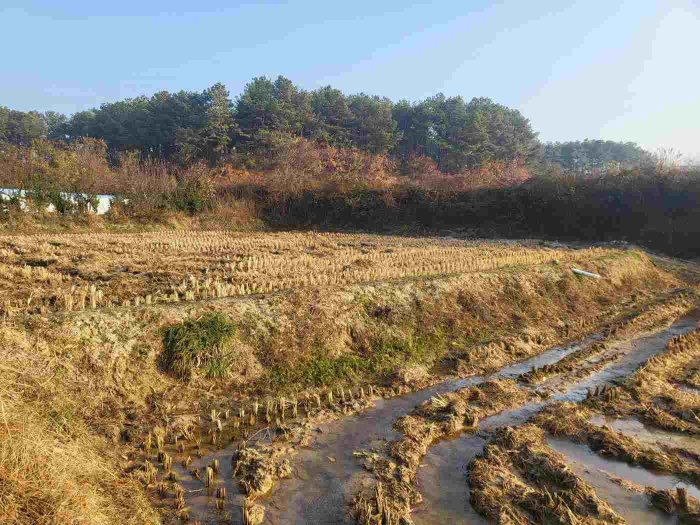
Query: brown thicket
[[306, 184]]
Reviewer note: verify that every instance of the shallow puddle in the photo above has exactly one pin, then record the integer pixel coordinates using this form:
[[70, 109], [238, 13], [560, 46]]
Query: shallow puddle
[[634, 353], [442, 480], [632, 506], [202, 505], [545, 358], [321, 490], [637, 475], [326, 475], [650, 435]]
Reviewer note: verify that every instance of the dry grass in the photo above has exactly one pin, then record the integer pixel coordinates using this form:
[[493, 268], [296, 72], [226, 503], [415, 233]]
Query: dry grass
[[53, 470], [48, 479], [692, 377], [325, 334], [651, 393], [44, 273], [660, 313], [520, 480], [675, 364]]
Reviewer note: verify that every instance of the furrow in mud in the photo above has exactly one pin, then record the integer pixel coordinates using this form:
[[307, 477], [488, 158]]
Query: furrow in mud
[[652, 395], [442, 481], [598, 353], [649, 435], [415, 442], [635, 474], [519, 479], [331, 462], [631, 505], [630, 356], [523, 477], [327, 475], [634, 354]]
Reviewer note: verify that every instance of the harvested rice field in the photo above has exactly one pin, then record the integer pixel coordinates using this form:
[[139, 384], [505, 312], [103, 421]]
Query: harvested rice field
[[322, 378], [76, 272]]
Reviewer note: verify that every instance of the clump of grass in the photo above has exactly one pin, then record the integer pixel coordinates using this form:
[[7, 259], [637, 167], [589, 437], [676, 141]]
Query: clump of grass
[[379, 362], [671, 502], [252, 513], [258, 468], [202, 343], [390, 504]]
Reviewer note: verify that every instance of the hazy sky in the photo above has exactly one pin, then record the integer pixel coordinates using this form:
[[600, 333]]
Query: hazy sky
[[597, 69]]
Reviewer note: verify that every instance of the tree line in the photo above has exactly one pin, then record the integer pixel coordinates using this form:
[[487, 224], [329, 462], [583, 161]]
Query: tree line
[[191, 126], [585, 156]]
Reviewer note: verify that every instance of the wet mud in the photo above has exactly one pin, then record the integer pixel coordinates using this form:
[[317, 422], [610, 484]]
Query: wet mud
[[326, 475]]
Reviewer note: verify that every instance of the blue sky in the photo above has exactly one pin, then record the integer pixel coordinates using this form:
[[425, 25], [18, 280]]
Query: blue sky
[[598, 69]]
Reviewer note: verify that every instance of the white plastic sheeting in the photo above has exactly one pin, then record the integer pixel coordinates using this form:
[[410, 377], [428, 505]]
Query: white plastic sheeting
[[102, 207], [587, 274]]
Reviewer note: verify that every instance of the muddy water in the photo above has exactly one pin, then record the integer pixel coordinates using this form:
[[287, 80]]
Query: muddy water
[[633, 354], [446, 457], [638, 475], [327, 475], [442, 480], [649, 435], [202, 505], [322, 488], [632, 506]]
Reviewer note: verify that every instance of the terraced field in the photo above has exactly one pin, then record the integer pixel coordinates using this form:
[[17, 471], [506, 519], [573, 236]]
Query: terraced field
[[284, 378], [76, 272]]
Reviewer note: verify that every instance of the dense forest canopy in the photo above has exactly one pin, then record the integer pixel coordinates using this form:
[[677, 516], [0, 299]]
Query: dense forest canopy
[[595, 154], [189, 126]]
